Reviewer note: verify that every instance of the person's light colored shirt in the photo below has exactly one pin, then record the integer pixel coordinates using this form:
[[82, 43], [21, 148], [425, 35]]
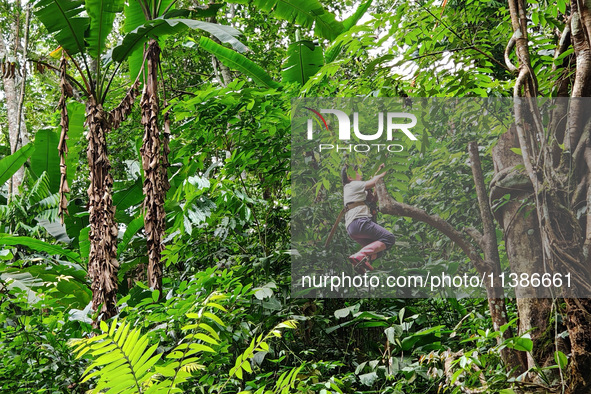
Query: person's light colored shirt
[[355, 191]]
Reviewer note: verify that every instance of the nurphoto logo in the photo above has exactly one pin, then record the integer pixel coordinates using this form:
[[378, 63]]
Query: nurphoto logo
[[344, 127]]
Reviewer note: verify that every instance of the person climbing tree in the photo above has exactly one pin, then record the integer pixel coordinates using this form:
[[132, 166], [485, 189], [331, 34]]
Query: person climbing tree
[[359, 220]]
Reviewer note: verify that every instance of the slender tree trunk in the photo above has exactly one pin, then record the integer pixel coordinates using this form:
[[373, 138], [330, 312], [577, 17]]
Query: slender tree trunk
[[224, 74], [10, 70], [155, 162], [65, 92], [102, 263], [512, 358]]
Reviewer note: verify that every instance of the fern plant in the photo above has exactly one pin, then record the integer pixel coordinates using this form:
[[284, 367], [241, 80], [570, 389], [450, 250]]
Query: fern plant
[[125, 363], [122, 359]]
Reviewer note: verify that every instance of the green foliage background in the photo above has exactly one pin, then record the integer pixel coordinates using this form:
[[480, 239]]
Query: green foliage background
[[227, 322]]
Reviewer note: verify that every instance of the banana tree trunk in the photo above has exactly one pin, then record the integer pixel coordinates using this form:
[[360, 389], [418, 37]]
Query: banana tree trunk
[[154, 165], [102, 263]]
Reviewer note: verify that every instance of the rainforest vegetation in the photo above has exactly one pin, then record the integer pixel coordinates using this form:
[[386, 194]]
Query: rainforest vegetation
[[146, 196]]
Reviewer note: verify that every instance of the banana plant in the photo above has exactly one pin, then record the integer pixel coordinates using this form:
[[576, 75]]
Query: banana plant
[[304, 57], [10, 164], [305, 13], [81, 27], [145, 19]]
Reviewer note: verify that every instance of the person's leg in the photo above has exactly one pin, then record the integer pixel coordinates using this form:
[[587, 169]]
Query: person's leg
[[374, 238], [357, 233]]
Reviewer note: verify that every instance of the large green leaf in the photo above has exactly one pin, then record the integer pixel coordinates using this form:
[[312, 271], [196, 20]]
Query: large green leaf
[[38, 246], [65, 19], [56, 229], [353, 19], [126, 198], [68, 280], [102, 15], [335, 50], [135, 17], [304, 13], [10, 164], [304, 59], [238, 62], [46, 158], [161, 27], [84, 243], [76, 220], [132, 229], [23, 281]]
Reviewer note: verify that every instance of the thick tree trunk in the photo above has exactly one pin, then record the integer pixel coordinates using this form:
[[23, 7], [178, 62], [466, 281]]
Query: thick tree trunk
[[555, 175], [102, 262], [523, 245]]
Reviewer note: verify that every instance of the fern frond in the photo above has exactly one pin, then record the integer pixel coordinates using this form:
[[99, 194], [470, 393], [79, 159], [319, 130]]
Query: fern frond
[[122, 361], [192, 367], [51, 215]]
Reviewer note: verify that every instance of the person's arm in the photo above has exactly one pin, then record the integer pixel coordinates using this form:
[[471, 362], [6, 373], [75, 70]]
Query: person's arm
[[372, 182]]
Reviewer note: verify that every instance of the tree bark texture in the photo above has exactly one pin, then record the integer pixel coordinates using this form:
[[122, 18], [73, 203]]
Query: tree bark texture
[[523, 245], [559, 180], [11, 69], [102, 263], [155, 162]]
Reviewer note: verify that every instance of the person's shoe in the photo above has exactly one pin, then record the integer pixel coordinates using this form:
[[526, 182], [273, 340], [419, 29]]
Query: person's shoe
[[360, 263], [361, 260]]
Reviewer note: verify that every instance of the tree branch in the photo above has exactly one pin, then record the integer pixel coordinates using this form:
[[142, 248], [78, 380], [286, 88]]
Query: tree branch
[[57, 71], [496, 302], [389, 206], [563, 44], [21, 100], [475, 235], [488, 55]]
